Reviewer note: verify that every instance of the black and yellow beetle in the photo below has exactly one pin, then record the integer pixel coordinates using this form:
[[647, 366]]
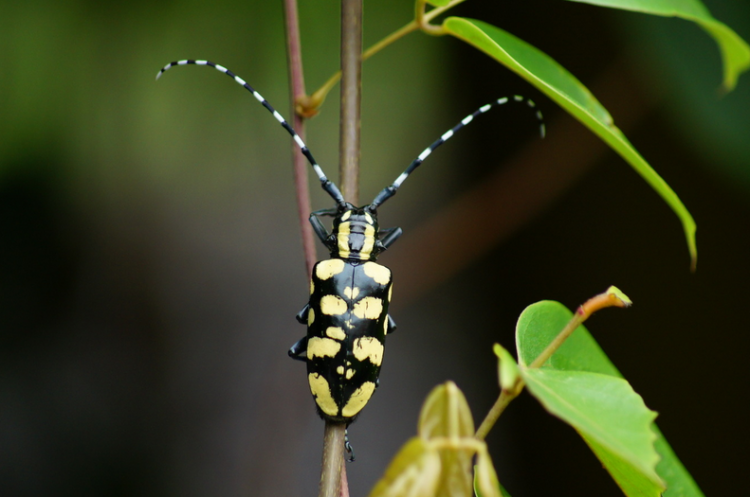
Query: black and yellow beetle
[[347, 314]]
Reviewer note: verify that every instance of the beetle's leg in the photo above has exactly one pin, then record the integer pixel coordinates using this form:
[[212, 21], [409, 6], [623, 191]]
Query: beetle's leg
[[302, 315], [318, 227], [391, 325], [388, 236], [348, 446], [298, 351]]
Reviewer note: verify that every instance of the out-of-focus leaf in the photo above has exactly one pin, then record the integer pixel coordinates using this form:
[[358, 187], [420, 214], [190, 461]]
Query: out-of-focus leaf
[[610, 416], [486, 483], [562, 87], [735, 53], [455, 476], [439, 3], [445, 413], [538, 325], [414, 472], [507, 369]]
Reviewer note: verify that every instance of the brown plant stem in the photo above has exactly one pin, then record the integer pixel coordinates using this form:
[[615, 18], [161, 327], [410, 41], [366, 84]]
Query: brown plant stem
[[333, 460], [351, 85], [297, 90]]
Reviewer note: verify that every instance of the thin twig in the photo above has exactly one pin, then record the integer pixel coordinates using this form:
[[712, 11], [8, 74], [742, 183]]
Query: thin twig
[[297, 89], [351, 84], [333, 460], [500, 404]]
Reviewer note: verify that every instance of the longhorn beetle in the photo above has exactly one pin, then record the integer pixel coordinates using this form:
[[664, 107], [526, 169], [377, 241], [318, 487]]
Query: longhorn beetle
[[347, 314]]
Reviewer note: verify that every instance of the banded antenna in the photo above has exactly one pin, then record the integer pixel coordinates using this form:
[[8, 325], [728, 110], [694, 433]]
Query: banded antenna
[[390, 190], [327, 184]]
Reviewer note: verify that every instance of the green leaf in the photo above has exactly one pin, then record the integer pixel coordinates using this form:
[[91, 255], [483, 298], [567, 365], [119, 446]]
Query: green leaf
[[562, 87], [539, 324], [507, 369], [438, 3], [445, 413], [631, 483], [735, 53], [610, 416], [455, 476], [414, 472]]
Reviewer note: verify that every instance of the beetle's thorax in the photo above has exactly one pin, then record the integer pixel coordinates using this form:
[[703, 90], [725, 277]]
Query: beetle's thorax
[[355, 232]]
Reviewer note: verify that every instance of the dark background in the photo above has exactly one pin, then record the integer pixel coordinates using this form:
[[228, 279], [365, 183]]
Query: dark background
[[150, 263]]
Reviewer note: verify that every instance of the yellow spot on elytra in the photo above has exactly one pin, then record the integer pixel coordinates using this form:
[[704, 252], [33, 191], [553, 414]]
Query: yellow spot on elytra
[[349, 373], [312, 286], [332, 305], [367, 348], [368, 308], [346, 215], [322, 393], [351, 293], [343, 239], [335, 332], [322, 347], [329, 268], [358, 399], [340, 370], [385, 325], [390, 293], [380, 274], [310, 316]]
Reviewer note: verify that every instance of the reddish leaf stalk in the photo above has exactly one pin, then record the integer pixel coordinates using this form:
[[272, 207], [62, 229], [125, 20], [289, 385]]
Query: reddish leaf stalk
[[297, 91]]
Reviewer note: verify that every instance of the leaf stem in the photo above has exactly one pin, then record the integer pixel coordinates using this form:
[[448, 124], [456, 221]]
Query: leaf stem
[[497, 409], [612, 297], [421, 19]]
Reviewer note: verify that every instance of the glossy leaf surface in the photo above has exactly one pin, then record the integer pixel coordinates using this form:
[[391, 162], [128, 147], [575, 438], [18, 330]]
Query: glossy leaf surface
[[538, 325], [610, 416]]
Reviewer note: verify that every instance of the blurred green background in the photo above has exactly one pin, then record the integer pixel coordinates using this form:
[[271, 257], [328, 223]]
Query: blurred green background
[[150, 264]]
